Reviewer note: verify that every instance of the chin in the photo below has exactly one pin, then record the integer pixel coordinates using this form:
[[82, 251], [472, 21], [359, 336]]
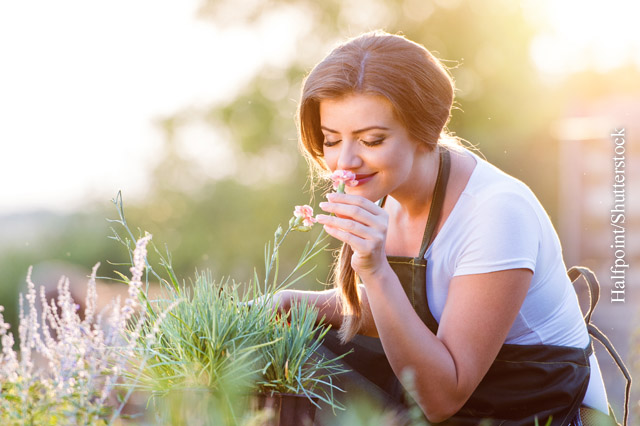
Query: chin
[[370, 195]]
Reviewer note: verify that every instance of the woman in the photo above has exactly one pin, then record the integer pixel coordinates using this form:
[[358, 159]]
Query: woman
[[459, 271]]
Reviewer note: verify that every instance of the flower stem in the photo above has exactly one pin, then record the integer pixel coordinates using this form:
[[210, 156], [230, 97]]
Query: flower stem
[[276, 246]]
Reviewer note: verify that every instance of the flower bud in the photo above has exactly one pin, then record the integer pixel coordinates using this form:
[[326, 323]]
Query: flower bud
[[278, 233]]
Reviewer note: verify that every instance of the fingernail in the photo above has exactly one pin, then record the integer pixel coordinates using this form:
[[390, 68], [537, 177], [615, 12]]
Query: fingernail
[[323, 204]]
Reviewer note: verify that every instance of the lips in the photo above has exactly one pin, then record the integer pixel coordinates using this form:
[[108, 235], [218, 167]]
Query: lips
[[364, 178]]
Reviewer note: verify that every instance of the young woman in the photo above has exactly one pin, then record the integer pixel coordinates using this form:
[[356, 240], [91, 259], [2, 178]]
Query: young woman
[[451, 263]]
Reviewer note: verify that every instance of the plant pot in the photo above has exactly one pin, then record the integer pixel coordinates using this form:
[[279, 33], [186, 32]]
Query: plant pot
[[288, 409]]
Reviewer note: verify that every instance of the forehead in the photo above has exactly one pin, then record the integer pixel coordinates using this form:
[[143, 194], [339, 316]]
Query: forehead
[[357, 110]]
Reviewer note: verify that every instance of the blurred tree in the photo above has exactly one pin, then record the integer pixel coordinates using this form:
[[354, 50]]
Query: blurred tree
[[78, 239], [501, 109], [217, 210]]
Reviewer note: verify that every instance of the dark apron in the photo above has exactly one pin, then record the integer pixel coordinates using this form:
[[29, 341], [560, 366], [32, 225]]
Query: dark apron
[[525, 382]]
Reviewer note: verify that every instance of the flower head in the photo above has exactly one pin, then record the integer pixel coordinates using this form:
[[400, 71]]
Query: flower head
[[303, 218], [342, 178], [135, 284]]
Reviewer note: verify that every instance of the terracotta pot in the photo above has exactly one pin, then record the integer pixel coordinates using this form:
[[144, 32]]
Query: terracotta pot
[[289, 409]]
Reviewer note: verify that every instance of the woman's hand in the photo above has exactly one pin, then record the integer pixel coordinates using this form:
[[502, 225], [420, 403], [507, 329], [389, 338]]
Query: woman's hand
[[280, 300], [360, 223]]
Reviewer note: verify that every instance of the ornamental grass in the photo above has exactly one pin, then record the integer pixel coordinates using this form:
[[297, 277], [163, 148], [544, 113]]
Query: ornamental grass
[[223, 342]]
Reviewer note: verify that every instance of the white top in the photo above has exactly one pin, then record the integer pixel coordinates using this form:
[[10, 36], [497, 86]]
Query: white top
[[498, 224]]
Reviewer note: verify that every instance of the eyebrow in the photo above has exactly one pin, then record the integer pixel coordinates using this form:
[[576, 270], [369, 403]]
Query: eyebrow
[[356, 131]]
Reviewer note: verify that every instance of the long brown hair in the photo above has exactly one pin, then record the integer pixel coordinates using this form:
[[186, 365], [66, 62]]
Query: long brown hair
[[378, 63]]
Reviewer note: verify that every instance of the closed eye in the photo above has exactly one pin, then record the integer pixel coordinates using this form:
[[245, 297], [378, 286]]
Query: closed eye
[[373, 142]]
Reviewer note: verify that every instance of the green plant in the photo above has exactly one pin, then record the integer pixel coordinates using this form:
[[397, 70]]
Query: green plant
[[548, 423], [208, 343], [68, 367], [217, 345], [293, 363]]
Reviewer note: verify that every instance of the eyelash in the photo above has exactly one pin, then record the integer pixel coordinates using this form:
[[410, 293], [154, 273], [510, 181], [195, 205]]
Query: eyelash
[[366, 143]]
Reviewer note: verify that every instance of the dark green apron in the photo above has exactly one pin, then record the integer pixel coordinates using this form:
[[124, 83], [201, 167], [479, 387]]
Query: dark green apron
[[525, 382]]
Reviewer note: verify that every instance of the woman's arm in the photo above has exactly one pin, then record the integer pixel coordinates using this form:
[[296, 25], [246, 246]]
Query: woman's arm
[[478, 314], [477, 317], [328, 304]]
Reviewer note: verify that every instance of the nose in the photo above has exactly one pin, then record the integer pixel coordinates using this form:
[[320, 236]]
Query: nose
[[349, 158]]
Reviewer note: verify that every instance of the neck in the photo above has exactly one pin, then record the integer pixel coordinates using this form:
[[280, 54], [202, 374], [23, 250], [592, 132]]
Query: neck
[[414, 199]]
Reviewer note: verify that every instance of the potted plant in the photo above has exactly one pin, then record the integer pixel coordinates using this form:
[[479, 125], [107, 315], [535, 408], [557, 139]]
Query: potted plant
[[216, 346], [294, 370]]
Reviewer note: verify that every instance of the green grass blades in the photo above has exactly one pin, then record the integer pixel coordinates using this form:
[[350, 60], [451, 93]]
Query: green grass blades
[[293, 363], [211, 343]]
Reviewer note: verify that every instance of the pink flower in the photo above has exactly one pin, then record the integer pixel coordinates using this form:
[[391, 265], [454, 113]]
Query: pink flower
[[304, 215], [342, 178]]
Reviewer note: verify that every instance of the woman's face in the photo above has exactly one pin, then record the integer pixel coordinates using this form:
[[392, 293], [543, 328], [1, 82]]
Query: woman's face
[[362, 135]]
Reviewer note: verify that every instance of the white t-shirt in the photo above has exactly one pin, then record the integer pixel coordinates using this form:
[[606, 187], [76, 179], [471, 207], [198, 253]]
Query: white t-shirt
[[498, 224]]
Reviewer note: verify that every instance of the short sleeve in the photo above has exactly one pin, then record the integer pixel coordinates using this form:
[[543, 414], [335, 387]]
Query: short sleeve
[[504, 233]]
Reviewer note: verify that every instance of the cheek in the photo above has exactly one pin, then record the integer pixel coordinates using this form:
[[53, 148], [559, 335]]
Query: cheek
[[399, 166], [389, 161], [330, 158]]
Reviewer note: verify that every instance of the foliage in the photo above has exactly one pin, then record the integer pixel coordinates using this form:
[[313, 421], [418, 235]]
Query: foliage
[[548, 422], [504, 108], [68, 367], [223, 341], [494, 74], [292, 363], [29, 239], [205, 339]]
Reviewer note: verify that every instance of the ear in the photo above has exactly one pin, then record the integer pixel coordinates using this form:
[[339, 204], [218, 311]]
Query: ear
[[424, 148]]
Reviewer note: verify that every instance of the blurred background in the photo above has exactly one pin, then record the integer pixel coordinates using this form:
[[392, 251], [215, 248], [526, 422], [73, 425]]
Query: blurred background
[[188, 108]]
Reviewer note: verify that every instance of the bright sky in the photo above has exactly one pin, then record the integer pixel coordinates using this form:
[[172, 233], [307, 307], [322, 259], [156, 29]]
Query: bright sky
[[81, 82], [585, 34]]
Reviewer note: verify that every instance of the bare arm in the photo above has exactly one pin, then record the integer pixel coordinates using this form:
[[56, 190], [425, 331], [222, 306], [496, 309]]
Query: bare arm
[[328, 304], [478, 314]]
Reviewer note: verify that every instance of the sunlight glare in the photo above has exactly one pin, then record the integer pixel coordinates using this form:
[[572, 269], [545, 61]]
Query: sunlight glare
[[582, 35], [82, 84]]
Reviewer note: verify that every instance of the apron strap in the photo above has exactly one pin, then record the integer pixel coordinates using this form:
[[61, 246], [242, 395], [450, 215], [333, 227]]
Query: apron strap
[[594, 294], [594, 287], [437, 200]]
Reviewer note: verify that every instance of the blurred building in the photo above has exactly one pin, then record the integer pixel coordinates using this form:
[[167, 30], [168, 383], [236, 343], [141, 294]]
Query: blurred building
[[599, 220]]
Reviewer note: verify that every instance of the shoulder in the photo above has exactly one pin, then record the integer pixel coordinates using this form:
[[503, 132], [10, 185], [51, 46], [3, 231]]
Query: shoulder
[[494, 206], [498, 217], [491, 189]]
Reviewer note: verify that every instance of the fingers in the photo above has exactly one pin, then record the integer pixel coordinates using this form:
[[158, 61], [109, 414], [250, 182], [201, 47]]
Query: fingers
[[351, 212], [358, 222], [275, 302], [357, 243], [355, 200], [345, 224], [355, 208]]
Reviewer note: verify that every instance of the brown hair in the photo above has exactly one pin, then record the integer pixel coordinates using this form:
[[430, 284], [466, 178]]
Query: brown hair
[[420, 90]]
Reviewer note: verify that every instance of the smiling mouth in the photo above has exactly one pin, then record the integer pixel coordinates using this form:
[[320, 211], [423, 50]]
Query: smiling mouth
[[364, 178]]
